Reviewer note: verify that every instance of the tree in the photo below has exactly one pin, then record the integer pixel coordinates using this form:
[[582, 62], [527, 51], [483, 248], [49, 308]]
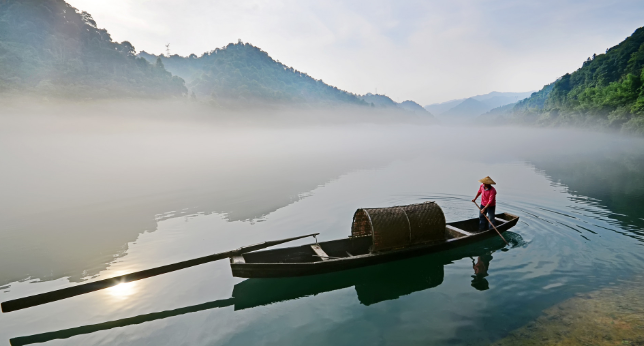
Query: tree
[[127, 48], [159, 63]]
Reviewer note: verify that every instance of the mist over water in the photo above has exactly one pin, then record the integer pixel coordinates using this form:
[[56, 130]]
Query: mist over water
[[93, 190], [132, 167]]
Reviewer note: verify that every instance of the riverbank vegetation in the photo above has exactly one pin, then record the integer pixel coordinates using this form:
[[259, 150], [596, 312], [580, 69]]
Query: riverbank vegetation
[[607, 91]]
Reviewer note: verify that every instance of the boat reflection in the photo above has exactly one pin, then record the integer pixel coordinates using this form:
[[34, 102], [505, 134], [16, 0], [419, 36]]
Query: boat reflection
[[372, 284]]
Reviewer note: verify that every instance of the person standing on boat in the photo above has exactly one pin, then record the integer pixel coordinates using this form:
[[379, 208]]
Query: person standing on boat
[[488, 202]]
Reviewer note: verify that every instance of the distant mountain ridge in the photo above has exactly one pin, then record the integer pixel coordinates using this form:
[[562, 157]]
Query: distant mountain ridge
[[440, 108], [414, 107], [467, 108], [378, 100], [471, 107]]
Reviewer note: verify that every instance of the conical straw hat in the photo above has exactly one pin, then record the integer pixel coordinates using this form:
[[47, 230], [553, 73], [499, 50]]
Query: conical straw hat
[[487, 180]]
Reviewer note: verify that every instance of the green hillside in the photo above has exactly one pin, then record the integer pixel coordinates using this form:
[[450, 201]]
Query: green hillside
[[48, 47], [607, 91], [241, 72]]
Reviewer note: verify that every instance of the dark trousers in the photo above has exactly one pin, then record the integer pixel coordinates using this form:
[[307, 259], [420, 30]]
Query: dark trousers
[[483, 223]]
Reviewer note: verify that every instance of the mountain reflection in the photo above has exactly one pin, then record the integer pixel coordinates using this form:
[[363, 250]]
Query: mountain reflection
[[612, 178], [373, 284], [81, 220]]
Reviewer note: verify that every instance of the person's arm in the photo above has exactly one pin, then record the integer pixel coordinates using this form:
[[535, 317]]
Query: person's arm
[[478, 193]]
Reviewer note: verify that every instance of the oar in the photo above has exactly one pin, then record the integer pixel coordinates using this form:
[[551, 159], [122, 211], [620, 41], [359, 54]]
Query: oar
[[43, 298], [491, 223]]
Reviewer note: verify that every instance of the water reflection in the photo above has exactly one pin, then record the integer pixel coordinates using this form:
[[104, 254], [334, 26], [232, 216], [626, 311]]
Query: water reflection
[[122, 291], [611, 177], [372, 284], [480, 271], [91, 213], [574, 214]]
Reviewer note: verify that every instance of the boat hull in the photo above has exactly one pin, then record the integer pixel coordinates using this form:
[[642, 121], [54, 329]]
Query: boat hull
[[274, 269]]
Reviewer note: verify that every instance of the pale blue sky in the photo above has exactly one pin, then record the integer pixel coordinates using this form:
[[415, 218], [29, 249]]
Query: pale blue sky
[[426, 51]]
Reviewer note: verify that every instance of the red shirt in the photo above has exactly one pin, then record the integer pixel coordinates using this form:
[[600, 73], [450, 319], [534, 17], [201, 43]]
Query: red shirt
[[487, 197]]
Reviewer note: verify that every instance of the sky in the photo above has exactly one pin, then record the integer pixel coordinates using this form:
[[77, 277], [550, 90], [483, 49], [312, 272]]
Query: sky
[[426, 51]]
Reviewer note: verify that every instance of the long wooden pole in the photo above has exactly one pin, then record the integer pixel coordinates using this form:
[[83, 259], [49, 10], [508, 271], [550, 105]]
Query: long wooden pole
[[491, 223], [44, 298]]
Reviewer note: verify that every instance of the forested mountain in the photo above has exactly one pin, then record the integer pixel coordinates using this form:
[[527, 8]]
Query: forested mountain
[[496, 116], [412, 106], [241, 72], [189, 68], [49, 47], [606, 91], [537, 100]]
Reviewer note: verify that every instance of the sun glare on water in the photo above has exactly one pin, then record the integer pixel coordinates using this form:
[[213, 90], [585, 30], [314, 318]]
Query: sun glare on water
[[122, 290]]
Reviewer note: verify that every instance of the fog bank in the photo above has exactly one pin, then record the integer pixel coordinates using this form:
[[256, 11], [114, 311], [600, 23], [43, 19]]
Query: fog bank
[[82, 180]]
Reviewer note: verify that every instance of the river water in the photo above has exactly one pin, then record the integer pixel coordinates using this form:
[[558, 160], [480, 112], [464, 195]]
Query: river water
[[88, 202]]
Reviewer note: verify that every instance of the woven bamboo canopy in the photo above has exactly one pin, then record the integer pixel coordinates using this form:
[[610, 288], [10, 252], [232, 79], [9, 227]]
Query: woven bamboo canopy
[[400, 226]]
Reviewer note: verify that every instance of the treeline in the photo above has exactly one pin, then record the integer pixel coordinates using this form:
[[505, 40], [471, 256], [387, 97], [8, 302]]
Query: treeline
[[48, 47], [607, 91], [241, 72]]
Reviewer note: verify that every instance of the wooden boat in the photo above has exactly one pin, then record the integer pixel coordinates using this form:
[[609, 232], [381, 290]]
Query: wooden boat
[[379, 235], [372, 285]]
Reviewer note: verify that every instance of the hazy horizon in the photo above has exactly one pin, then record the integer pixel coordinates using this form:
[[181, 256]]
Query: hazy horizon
[[110, 170]]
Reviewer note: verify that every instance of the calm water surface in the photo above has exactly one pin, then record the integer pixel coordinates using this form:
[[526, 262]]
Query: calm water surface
[[84, 206]]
